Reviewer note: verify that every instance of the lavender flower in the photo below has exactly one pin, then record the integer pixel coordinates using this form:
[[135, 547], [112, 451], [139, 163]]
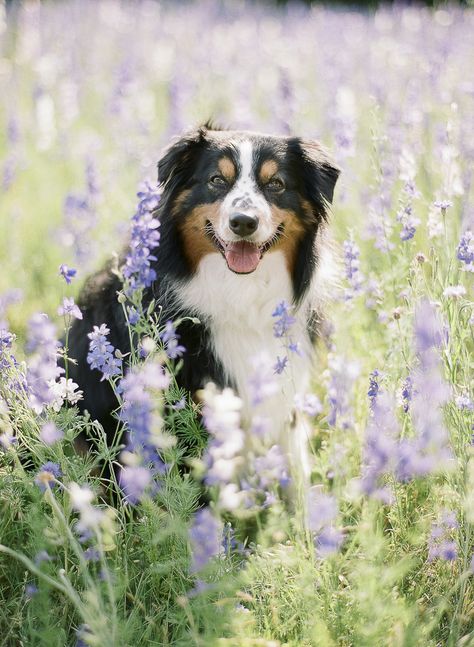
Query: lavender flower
[[342, 377], [42, 369], [69, 309], [47, 474], [206, 539], [134, 481], [322, 510], [50, 434], [374, 387], [465, 251], [6, 341], [405, 214], [407, 393], [100, 354], [271, 468], [133, 316], [353, 273], [283, 320], [441, 544], [262, 381], [280, 365], [144, 238], [68, 273], [169, 337], [308, 403]]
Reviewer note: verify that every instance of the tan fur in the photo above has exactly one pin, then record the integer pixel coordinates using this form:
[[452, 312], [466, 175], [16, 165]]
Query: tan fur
[[227, 167], [267, 170], [195, 241], [292, 234]]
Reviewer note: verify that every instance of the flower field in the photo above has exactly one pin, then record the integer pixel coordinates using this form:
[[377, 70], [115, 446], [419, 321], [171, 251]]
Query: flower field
[[380, 550]]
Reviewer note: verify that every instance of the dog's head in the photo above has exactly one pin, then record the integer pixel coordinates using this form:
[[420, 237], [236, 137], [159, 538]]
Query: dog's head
[[244, 195]]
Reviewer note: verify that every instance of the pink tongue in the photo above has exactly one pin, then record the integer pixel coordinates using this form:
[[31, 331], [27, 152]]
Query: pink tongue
[[242, 257]]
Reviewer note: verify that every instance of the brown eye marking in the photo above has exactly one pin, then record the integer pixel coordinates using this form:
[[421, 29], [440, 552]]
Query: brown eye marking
[[196, 243], [267, 171], [227, 167]]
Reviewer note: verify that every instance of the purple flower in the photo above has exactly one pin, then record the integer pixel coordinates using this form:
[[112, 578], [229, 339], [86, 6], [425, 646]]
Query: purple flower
[[443, 204], [322, 509], [31, 590], [262, 380], [134, 481], [374, 386], [133, 316], [465, 250], [283, 320], [69, 309], [206, 539], [92, 554], [441, 544], [169, 337], [428, 330], [79, 221], [42, 556], [280, 365], [100, 354], [308, 403], [144, 238], [352, 266], [328, 541], [68, 273], [47, 474], [6, 341], [407, 393], [342, 377], [272, 468], [464, 403], [42, 369], [50, 434]]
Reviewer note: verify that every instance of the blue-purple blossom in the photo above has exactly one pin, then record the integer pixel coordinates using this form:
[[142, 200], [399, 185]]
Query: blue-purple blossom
[[31, 590], [308, 403], [352, 266], [50, 434], [206, 539], [79, 221], [343, 374], [374, 386], [441, 544], [135, 481], [145, 238], [6, 341], [170, 338], [133, 315], [464, 403], [91, 554], [101, 353], [280, 365], [322, 511], [137, 411], [42, 369], [221, 416], [283, 320], [328, 541], [47, 474], [68, 273], [262, 380], [42, 556], [69, 309], [271, 468], [407, 393], [405, 215], [465, 251]]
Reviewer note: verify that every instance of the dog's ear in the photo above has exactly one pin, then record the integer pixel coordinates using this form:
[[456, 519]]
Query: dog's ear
[[317, 171], [177, 159]]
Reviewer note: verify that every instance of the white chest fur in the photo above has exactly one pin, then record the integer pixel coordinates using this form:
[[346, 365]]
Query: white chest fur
[[238, 311]]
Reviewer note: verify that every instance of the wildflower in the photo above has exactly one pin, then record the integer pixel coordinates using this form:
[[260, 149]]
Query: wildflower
[[179, 405], [42, 556], [221, 416], [50, 434], [100, 354], [79, 220], [206, 539], [47, 474], [374, 386], [308, 403], [280, 365], [322, 510], [271, 468], [342, 375], [31, 590], [328, 541], [283, 319], [352, 266], [465, 251], [464, 403], [380, 451], [6, 341], [262, 381], [83, 634], [64, 390], [454, 291], [134, 480], [133, 316], [169, 337], [138, 409], [405, 214], [144, 238], [91, 554], [42, 369], [68, 273], [443, 205], [441, 544], [69, 309], [407, 393]]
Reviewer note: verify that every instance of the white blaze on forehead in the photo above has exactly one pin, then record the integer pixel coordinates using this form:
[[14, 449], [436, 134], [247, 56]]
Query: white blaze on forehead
[[246, 198]]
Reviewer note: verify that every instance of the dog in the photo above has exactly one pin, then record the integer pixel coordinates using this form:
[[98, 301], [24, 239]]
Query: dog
[[243, 221]]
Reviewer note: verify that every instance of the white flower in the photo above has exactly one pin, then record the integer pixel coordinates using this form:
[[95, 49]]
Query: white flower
[[81, 496], [454, 291], [64, 390]]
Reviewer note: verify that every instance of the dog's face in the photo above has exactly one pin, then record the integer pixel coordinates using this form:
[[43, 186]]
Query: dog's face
[[244, 195]]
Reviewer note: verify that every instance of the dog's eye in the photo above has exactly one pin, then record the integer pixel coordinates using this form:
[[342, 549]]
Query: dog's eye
[[275, 184], [218, 181]]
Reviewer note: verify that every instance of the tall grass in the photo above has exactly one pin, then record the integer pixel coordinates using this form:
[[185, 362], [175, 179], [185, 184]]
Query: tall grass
[[91, 92]]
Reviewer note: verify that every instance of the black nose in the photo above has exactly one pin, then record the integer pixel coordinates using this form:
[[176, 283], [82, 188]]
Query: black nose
[[243, 225]]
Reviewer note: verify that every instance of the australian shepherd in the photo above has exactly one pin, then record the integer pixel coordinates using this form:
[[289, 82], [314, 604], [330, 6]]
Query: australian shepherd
[[243, 228]]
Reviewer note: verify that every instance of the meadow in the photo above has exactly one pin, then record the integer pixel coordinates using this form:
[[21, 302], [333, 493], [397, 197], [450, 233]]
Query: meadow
[[91, 92]]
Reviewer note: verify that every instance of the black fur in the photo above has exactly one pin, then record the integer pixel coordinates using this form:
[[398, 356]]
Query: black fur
[[309, 177]]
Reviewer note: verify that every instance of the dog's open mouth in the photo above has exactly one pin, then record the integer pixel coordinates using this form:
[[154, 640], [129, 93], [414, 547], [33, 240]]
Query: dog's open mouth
[[242, 256]]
